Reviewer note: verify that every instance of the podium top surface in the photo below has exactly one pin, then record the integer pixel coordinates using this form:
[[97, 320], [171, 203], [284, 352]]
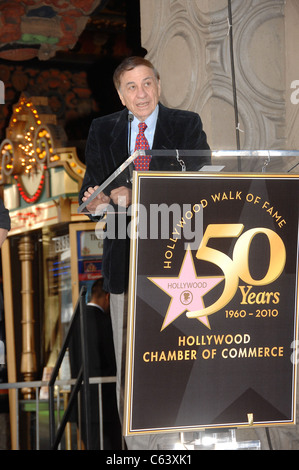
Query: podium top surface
[[228, 161]]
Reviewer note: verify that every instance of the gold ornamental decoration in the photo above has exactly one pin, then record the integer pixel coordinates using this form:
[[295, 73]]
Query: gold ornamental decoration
[[34, 143]]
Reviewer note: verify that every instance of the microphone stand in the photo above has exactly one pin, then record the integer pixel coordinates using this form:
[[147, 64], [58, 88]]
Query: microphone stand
[[130, 119]]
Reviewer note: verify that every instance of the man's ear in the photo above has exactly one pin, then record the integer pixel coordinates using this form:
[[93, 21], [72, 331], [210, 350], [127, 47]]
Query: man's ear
[[121, 98], [159, 87]]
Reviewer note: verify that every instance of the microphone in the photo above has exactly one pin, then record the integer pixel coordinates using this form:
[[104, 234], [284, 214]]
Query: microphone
[[130, 120]]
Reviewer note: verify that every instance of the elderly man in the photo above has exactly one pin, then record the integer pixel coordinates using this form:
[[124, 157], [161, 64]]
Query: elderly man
[[111, 139]]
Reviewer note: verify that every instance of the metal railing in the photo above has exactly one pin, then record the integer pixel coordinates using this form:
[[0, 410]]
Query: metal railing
[[60, 385], [81, 383], [82, 376]]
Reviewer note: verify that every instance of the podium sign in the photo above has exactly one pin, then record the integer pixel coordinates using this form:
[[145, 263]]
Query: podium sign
[[213, 302]]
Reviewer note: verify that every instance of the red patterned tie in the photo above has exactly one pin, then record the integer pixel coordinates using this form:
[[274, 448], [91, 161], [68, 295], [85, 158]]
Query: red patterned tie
[[142, 162]]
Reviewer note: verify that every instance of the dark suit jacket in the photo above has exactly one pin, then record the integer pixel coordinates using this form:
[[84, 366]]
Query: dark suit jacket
[[106, 150], [4, 217], [101, 362], [100, 348]]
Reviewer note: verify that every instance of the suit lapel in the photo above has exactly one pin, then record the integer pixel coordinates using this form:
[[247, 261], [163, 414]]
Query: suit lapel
[[119, 148], [119, 134], [163, 141], [163, 131]]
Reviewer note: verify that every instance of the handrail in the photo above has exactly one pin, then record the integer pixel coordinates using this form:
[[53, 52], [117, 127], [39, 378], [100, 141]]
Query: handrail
[[37, 385], [60, 383], [82, 376]]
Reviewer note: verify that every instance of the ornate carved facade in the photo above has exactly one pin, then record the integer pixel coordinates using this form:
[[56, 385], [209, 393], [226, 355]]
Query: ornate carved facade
[[40, 29], [189, 43]]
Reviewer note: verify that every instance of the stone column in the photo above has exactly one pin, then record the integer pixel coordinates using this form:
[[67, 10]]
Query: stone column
[[292, 74], [188, 41], [28, 357]]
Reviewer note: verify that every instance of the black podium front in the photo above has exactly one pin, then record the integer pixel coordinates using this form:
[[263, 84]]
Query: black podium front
[[213, 296]]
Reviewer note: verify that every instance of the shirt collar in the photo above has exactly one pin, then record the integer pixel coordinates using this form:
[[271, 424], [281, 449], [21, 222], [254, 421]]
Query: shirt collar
[[150, 121], [95, 305]]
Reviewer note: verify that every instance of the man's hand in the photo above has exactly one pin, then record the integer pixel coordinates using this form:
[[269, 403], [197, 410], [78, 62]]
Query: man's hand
[[121, 196], [98, 204]]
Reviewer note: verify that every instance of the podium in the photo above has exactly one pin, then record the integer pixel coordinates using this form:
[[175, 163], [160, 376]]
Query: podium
[[213, 296], [282, 161]]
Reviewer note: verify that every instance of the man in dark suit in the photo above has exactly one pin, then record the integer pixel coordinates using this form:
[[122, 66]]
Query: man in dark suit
[[4, 222], [138, 85], [101, 361]]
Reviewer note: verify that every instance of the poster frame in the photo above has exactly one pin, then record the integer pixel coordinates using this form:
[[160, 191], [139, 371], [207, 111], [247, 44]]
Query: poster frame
[[137, 181]]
